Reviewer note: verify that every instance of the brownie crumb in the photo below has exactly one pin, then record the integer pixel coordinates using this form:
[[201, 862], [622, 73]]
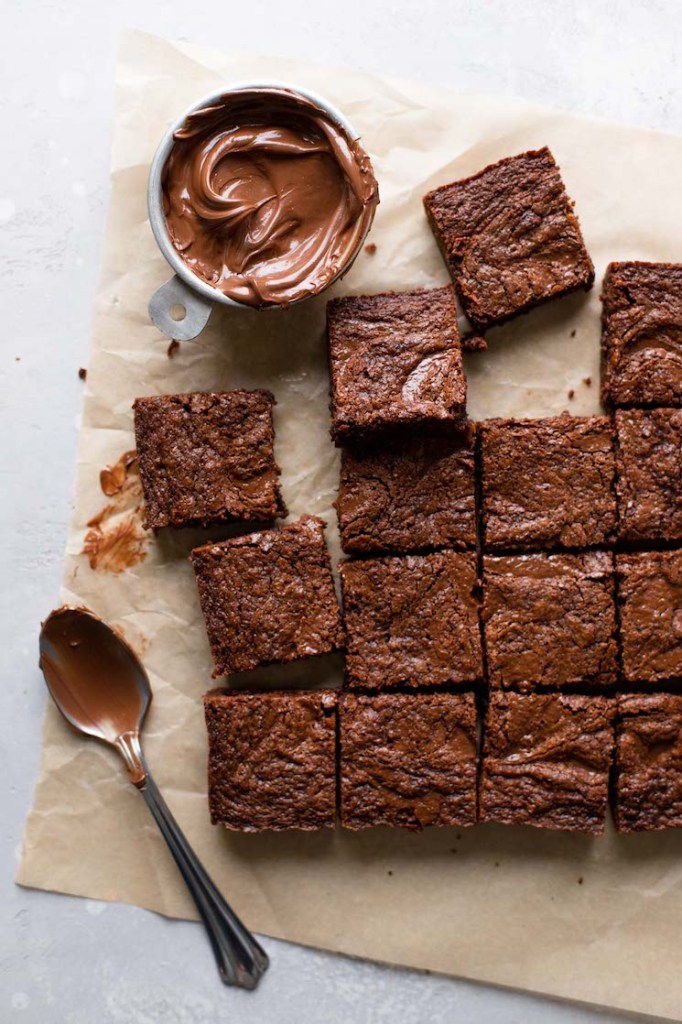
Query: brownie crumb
[[573, 333], [173, 348], [571, 394], [587, 381], [82, 373], [580, 881], [370, 249], [474, 343], [389, 872]]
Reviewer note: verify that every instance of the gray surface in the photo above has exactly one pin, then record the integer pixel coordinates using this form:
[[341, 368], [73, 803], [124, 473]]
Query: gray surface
[[69, 960]]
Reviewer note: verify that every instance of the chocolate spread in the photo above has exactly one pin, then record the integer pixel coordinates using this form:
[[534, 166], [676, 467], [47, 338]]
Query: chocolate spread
[[266, 197]]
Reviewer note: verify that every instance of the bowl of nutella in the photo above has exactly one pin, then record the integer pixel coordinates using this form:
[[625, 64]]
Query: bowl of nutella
[[259, 196]]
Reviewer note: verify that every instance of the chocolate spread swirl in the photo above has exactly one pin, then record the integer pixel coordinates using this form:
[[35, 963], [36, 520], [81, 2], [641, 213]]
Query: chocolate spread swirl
[[266, 197]]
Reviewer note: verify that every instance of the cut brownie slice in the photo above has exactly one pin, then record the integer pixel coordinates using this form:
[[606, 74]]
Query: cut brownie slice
[[408, 495], [207, 458], [546, 761], [268, 597], [411, 621], [550, 620], [650, 597], [649, 470], [548, 483], [649, 762], [509, 237], [395, 360], [408, 760], [271, 760], [642, 334]]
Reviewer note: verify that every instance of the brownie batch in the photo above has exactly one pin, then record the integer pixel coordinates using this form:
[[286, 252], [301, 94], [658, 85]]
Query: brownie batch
[[512, 609]]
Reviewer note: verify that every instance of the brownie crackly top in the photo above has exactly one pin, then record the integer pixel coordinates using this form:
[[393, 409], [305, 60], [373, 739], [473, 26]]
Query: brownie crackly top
[[207, 458], [509, 237], [548, 483], [650, 597], [642, 334], [649, 762], [268, 597], [395, 360], [649, 463]]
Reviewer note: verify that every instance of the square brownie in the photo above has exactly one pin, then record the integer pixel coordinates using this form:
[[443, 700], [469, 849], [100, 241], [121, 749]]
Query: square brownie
[[268, 597], [546, 760], [650, 599], [207, 458], [408, 760], [395, 361], [642, 334], [649, 762], [548, 483], [408, 495], [550, 620], [271, 759], [412, 621], [509, 237], [649, 474]]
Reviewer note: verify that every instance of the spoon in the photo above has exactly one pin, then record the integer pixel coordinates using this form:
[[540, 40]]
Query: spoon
[[102, 690]]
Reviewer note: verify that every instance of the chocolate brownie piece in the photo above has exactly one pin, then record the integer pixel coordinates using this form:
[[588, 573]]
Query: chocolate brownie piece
[[408, 495], [650, 598], [649, 762], [207, 458], [268, 597], [642, 334], [548, 483], [271, 759], [411, 621], [395, 360], [509, 237], [550, 620], [649, 474], [546, 760], [408, 760]]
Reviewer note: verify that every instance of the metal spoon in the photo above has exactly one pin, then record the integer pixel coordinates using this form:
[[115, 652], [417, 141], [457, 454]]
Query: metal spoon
[[102, 690]]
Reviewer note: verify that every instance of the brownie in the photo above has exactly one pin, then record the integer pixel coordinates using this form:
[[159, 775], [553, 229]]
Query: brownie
[[395, 361], [548, 483], [649, 762], [408, 495], [546, 760], [550, 620], [271, 759], [268, 597], [207, 458], [649, 474], [509, 237], [407, 760], [411, 621], [642, 334], [650, 598]]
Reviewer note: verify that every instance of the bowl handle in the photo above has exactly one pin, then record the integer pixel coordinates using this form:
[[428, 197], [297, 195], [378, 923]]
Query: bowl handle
[[178, 311]]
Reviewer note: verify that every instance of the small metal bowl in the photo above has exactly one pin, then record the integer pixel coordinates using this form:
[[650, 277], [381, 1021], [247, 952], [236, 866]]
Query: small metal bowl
[[180, 308]]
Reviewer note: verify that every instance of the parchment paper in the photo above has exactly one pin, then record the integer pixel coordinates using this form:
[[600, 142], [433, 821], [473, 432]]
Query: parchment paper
[[596, 920]]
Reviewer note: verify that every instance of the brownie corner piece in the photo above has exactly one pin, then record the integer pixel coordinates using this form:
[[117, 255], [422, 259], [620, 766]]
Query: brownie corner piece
[[407, 760], [649, 474], [402, 495], [550, 620], [395, 361], [412, 621], [648, 762], [207, 458], [268, 597], [650, 602], [548, 483], [509, 237], [546, 761], [272, 759], [641, 344]]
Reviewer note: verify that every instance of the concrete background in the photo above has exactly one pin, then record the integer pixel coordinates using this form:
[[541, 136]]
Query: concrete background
[[69, 960]]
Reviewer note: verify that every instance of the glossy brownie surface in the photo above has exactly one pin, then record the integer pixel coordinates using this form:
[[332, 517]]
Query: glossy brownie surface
[[649, 762], [650, 598], [649, 467]]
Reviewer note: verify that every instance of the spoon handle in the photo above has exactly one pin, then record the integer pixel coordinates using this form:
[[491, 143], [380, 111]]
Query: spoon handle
[[241, 960]]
